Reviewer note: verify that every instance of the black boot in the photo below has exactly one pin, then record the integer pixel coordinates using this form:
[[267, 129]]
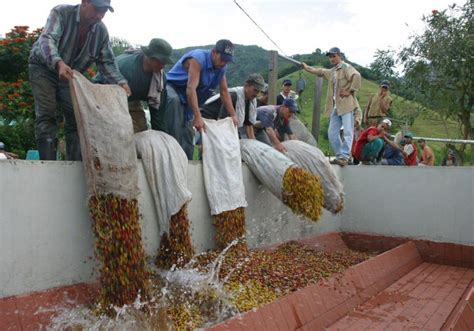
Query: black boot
[[47, 148]]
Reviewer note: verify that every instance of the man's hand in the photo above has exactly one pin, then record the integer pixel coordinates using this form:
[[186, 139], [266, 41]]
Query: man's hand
[[127, 89], [344, 93], [198, 123], [64, 71], [235, 120], [279, 147]]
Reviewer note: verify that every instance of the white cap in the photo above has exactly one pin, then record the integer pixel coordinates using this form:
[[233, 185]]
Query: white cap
[[387, 121]]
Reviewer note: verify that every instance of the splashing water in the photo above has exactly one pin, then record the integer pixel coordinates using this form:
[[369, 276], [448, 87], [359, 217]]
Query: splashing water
[[185, 288]]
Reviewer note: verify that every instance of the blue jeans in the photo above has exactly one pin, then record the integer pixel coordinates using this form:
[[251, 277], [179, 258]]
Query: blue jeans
[[341, 148]]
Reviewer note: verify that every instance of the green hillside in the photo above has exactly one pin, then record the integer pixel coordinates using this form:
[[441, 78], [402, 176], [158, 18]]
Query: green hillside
[[423, 123]]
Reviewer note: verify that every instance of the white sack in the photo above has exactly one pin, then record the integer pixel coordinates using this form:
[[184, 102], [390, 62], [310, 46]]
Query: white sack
[[301, 131], [266, 163], [166, 167], [106, 135], [222, 166], [312, 159]]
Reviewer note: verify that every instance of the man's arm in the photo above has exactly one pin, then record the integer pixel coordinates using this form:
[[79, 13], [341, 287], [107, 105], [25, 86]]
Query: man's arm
[[316, 71], [274, 139], [355, 80], [249, 131], [367, 109], [108, 66], [194, 73], [227, 101], [394, 145]]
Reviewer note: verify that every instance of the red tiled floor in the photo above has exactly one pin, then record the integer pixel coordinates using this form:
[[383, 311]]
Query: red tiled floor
[[35, 311], [417, 300]]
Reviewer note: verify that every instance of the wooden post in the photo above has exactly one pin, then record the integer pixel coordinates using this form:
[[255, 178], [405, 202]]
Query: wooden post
[[317, 108], [272, 77]]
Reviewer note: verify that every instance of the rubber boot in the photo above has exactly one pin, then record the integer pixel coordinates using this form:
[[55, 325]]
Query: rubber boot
[[73, 147], [47, 148]]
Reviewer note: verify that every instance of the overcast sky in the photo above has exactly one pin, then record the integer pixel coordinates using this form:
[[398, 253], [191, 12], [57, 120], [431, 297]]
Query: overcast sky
[[358, 27]]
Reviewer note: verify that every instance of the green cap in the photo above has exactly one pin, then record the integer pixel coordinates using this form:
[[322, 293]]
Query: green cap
[[159, 49], [257, 81], [102, 4]]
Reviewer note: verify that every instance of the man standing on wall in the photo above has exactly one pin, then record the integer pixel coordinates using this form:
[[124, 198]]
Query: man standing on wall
[[343, 83], [378, 106], [190, 83], [73, 38]]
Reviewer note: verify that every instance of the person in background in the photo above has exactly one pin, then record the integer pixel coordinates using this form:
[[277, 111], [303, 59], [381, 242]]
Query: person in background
[[427, 155], [370, 143], [190, 82], [73, 38], [274, 121], [409, 150], [244, 100], [4, 155], [143, 69], [262, 100], [451, 159], [344, 82], [392, 152], [286, 92], [379, 105]]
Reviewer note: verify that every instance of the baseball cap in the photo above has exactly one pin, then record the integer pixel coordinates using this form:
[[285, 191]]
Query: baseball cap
[[291, 104], [102, 3], [226, 49], [387, 121], [333, 51], [257, 81], [287, 82], [408, 135], [159, 49], [2, 145], [451, 152], [385, 83]]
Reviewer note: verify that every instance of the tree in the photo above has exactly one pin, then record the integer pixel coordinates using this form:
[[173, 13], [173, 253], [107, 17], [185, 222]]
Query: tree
[[383, 65], [119, 45], [439, 64], [16, 100]]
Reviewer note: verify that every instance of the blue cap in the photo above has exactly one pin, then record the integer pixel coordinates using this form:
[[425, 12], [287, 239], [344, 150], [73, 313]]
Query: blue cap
[[102, 4], [287, 82], [291, 104], [333, 51], [385, 83], [2, 145], [226, 49]]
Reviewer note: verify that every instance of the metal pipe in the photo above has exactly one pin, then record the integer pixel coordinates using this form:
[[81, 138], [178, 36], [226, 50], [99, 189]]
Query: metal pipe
[[289, 59], [445, 140]]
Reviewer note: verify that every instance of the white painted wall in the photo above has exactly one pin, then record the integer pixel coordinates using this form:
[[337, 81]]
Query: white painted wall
[[45, 234], [46, 240], [433, 203]]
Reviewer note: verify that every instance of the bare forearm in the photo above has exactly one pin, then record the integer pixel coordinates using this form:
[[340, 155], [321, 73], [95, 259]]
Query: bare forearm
[[249, 132]]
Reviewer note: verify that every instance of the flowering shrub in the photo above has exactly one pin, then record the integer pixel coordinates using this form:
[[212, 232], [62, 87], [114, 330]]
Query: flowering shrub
[[14, 52]]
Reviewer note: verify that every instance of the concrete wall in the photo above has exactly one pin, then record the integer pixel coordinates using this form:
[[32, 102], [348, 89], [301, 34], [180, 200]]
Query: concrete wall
[[433, 203], [45, 232], [46, 240]]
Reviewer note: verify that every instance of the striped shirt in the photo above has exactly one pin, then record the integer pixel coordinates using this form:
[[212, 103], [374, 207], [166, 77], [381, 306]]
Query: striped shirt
[[60, 41]]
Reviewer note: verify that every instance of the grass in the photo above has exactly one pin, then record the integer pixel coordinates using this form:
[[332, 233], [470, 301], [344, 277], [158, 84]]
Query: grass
[[426, 123]]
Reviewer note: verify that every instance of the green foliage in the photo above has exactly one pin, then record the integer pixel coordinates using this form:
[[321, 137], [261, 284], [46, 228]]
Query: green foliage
[[16, 100], [439, 64], [383, 65], [119, 45], [14, 52]]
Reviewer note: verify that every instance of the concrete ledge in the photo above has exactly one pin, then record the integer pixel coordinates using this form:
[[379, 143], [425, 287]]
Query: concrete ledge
[[45, 233]]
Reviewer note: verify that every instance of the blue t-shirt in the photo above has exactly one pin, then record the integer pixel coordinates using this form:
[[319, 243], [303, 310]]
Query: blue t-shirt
[[208, 81], [269, 118]]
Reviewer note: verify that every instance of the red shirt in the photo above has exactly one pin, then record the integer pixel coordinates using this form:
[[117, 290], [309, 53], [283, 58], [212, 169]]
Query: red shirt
[[372, 131], [410, 160]]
